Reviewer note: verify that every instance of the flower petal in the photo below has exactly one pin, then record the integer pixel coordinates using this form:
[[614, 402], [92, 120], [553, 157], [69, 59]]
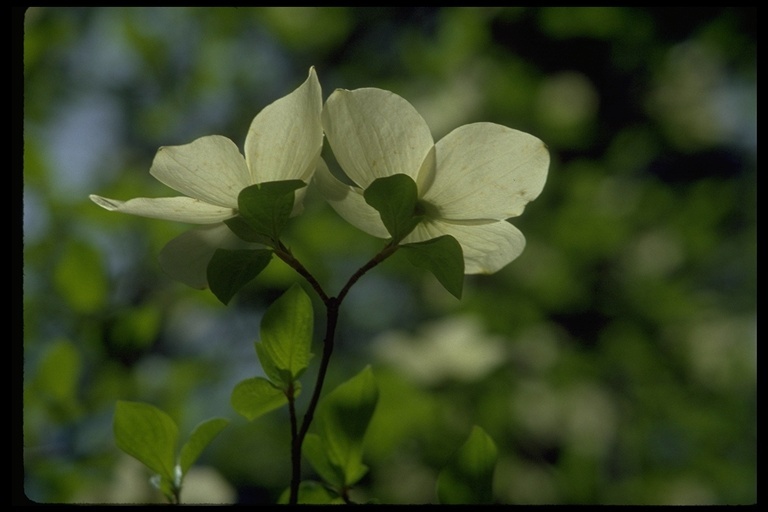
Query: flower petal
[[487, 247], [349, 203], [487, 171], [186, 257], [210, 168], [375, 133], [182, 209], [285, 138]]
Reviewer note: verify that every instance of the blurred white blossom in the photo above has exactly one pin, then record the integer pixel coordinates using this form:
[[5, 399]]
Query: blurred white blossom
[[456, 348]]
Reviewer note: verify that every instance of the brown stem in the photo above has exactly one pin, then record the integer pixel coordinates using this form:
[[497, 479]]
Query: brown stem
[[332, 305], [295, 447], [285, 254], [385, 253]]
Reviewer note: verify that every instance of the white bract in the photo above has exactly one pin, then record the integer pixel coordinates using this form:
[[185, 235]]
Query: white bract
[[283, 143], [468, 183]]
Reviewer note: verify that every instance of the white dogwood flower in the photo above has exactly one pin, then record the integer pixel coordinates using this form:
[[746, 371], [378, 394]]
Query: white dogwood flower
[[468, 183], [283, 143]]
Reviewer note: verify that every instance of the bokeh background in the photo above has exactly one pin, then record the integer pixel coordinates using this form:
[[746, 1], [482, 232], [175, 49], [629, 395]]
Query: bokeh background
[[613, 362]]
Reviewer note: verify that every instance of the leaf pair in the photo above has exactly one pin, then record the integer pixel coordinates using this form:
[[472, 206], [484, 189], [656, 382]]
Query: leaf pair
[[264, 212], [151, 436], [284, 353], [265, 209], [396, 199]]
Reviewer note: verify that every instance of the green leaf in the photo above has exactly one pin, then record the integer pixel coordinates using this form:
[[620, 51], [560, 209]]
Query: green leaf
[[342, 420], [255, 397], [245, 232], [148, 434], [443, 257], [395, 198], [266, 207], [468, 477], [230, 270], [314, 449], [312, 493], [286, 337], [201, 437]]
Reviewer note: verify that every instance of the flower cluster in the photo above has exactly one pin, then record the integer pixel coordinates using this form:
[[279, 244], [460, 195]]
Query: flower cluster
[[468, 183]]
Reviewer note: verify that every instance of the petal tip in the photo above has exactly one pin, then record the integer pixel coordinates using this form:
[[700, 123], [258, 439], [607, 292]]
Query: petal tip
[[106, 203], [312, 76]]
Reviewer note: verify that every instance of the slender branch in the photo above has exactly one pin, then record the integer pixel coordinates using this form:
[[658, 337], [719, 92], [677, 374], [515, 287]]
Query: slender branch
[[285, 254], [328, 343], [345, 496], [332, 305], [295, 446], [385, 253], [332, 316]]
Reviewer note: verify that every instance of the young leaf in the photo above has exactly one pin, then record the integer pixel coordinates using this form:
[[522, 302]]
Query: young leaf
[[148, 434], [395, 198], [286, 337], [342, 420], [168, 487], [266, 207], [468, 477], [443, 257], [312, 493], [254, 397], [279, 378], [201, 437], [230, 270], [315, 450]]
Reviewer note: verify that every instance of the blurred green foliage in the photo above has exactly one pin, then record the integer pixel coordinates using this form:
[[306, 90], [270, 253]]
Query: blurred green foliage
[[613, 362]]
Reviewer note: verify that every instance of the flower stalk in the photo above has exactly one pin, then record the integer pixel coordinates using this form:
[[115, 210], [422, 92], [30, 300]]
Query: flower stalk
[[332, 305]]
